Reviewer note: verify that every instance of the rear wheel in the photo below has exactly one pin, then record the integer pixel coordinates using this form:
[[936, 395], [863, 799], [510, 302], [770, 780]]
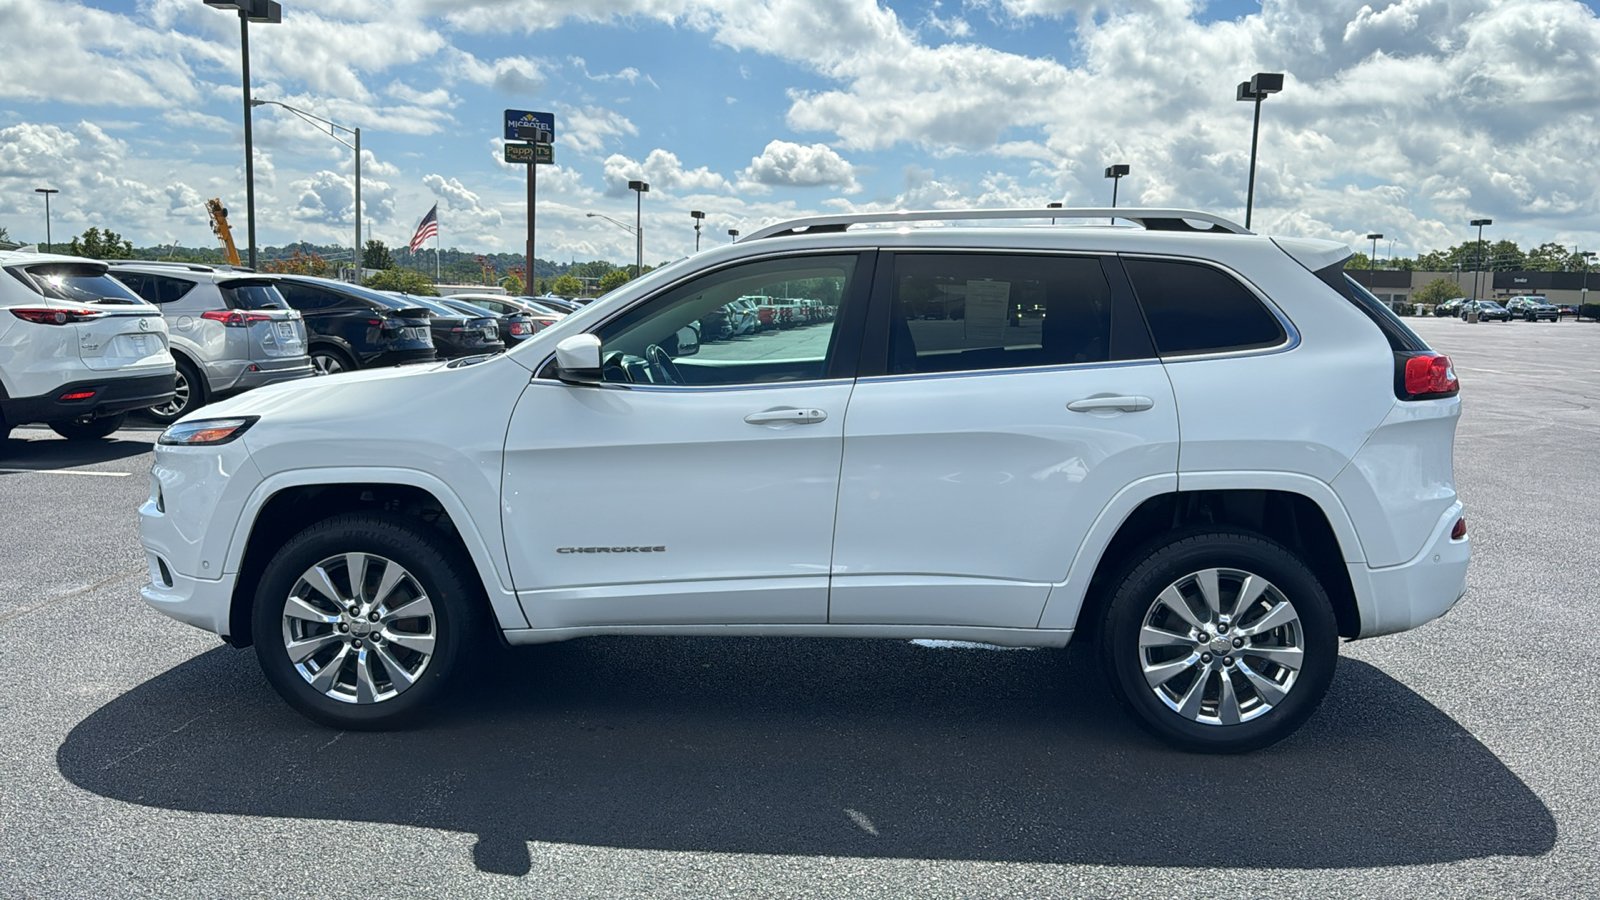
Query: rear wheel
[[1220, 642], [364, 620], [330, 360], [188, 395], [89, 429]]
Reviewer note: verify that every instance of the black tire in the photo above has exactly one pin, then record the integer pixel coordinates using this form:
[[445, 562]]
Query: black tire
[[436, 568], [89, 429], [329, 360], [189, 395], [1134, 604]]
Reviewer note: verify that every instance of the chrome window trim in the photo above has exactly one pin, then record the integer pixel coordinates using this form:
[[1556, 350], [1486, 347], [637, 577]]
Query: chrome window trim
[[1291, 334], [1025, 370], [696, 388], [770, 253]]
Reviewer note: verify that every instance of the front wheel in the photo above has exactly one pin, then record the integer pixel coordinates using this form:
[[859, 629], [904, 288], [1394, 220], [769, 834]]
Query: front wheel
[[89, 429], [363, 620], [1220, 642]]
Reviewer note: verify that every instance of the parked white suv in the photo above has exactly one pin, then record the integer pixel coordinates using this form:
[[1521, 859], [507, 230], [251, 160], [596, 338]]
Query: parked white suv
[[1207, 451], [77, 348]]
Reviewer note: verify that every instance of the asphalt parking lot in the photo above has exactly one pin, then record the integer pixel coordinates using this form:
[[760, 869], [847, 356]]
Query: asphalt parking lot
[[140, 757]]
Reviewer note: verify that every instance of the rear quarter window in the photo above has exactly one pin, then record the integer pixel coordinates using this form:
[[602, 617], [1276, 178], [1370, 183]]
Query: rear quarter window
[[1194, 308]]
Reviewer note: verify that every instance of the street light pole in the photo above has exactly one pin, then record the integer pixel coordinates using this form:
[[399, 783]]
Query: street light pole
[[269, 12], [1583, 294], [1115, 173], [47, 192], [1477, 275], [639, 188], [1372, 261], [1256, 90], [733, 235], [698, 216], [356, 148]]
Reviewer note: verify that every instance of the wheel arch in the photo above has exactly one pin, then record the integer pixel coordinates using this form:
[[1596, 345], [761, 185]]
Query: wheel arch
[[1297, 511], [284, 505]]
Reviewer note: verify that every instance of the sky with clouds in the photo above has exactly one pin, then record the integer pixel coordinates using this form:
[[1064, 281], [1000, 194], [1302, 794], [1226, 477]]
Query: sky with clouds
[[1407, 118]]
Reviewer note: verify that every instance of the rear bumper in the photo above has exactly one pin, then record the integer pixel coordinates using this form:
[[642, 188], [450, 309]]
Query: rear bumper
[[242, 375], [107, 396], [1398, 598]]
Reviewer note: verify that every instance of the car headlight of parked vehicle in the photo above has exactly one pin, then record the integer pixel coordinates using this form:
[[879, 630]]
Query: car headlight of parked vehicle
[[206, 431]]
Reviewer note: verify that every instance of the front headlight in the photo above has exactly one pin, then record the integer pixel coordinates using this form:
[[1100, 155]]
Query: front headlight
[[206, 431]]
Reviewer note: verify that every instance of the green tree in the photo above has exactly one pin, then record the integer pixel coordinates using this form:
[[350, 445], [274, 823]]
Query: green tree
[[408, 281], [567, 286], [97, 244], [376, 256], [513, 284], [1436, 292], [614, 279], [1506, 256], [1358, 260]]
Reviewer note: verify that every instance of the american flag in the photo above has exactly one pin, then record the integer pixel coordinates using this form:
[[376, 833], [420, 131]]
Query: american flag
[[427, 229]]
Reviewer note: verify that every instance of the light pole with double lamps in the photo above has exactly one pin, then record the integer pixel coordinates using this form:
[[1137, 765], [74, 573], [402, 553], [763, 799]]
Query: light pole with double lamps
[[1254, 91], [698, 217], [1372, 261]]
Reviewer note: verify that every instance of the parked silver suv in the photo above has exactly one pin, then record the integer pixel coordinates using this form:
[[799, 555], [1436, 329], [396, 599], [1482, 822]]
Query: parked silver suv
[[231, 330]]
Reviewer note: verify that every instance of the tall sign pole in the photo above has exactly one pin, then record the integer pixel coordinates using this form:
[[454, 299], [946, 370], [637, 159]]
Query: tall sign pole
[[538, 131]]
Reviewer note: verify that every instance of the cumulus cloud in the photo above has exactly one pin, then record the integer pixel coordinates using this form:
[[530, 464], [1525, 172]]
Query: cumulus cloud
[[508, 74], [466, 204], [798, 165], [588, 129], [663, 171]]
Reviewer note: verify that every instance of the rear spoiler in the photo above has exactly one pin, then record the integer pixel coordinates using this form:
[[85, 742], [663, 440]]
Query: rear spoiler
[[415, 312]]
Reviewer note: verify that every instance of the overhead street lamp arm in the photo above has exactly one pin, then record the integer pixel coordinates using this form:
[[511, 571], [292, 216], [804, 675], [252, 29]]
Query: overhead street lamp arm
[[623, 225], [313, 119]]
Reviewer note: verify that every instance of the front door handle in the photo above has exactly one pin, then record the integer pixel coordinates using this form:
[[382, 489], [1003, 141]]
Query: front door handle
[[1121, 404], [786, 416]]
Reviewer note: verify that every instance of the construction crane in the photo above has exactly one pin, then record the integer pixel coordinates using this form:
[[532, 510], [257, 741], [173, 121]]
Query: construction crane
[[219, 227], [487, 268]]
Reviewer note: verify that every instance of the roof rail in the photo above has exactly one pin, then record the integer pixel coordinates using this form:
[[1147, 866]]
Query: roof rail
[[1151, 219]]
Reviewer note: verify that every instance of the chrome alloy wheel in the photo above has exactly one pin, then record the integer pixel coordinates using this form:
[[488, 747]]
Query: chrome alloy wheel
[[180, 397], [326, 364], [1221, 646], [359, 628]]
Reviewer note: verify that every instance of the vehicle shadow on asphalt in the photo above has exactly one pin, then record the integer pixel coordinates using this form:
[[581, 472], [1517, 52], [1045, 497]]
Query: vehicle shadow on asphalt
[[43, 452], [822, 748]]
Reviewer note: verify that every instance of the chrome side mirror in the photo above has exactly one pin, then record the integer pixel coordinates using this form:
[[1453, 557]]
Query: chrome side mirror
[[578, 359]]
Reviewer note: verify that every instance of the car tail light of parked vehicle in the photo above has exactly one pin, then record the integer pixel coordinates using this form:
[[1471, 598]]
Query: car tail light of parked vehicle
[[56, 316], [1428, 377], [234, 317]]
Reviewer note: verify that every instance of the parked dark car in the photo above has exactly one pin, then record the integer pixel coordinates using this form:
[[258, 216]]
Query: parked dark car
[[560, 304], [455, 334], [541, 316], [515, 326], [352, 327], [1487, 310], [1532, 308], [1451, 307]]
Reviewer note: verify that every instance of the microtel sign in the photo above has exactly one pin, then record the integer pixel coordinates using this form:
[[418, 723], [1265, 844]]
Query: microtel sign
[[517, 120]]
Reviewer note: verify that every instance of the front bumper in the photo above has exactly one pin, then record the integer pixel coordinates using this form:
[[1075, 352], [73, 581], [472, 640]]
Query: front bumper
[[193, 601], [1399, 598], [109, 396]]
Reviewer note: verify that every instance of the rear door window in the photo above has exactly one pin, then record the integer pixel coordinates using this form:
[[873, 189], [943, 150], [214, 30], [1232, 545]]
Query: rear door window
[[1194, 308], [954, 312], [157, 289]]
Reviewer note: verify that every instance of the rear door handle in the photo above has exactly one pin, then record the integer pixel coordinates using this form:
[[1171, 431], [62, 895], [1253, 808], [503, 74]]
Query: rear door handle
[[786, 416], [1123, 404]]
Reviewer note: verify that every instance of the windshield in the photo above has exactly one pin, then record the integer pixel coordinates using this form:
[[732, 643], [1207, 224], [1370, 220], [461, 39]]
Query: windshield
[[257, 295], [75, 283]]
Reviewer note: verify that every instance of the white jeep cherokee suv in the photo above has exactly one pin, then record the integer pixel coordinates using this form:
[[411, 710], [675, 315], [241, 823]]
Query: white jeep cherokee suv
[[1207, 451], [78, 350]]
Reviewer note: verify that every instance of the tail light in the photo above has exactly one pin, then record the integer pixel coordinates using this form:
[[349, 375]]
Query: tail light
[[1460, 531], [515, 327], [1424, 376], [56, 316], [233, 318]]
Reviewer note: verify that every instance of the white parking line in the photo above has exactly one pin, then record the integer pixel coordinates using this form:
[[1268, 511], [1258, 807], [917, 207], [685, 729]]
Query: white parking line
[[64, 472]]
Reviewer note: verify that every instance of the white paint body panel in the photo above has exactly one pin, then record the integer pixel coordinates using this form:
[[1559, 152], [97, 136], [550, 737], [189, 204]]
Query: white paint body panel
[[963, 495], [680, 468]]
